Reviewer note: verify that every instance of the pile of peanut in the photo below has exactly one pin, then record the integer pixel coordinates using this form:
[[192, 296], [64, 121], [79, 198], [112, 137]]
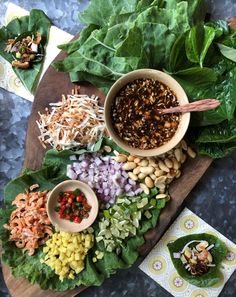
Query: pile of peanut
[[156, 171]]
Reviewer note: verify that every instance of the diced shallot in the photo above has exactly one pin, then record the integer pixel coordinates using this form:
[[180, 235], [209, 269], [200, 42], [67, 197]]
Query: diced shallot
[[104, 175], [70, 172]]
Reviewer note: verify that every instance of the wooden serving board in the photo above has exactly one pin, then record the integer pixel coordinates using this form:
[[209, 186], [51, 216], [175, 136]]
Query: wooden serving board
[[50, 89]]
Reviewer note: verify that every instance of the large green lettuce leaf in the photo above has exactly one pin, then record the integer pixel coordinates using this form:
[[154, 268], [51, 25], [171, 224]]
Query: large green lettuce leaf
[[215, 79], [198, 41], [223, 89], [218, 252], [37, 21], [217, 141], [58, 159], [46, 178], [138, 37], [222, 133], [99, 12], [216, 150]]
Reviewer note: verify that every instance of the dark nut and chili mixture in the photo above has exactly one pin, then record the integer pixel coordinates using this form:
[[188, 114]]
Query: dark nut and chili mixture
[[134, 115]]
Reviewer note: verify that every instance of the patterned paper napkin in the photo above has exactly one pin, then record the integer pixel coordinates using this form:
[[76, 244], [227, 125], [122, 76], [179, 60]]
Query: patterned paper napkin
[[8, 79], [158, 264]]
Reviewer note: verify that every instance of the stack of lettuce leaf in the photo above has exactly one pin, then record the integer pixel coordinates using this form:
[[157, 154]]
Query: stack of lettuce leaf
[[22, 265], [171, 36]]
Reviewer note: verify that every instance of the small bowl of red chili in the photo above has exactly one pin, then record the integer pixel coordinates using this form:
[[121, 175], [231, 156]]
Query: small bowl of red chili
[[72, 206]]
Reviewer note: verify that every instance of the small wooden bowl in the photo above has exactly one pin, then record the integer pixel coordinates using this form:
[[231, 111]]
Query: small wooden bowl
[[163, 78], [66, 225]]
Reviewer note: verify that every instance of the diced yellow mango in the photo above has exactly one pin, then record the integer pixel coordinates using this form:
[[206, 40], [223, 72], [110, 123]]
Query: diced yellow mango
[[65, 253], [71, 275], [77, 256], [79, 269]]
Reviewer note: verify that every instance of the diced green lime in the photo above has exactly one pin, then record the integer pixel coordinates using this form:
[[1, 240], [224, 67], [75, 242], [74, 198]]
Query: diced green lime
[[90, 230], [106, 213], [147, 214], [123, 219], [153, 202]]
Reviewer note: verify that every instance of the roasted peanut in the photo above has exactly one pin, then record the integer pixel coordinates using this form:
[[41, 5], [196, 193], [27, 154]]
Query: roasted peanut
[[131, 158], [144, 188], [141, 175], [136, 170], [183, 158], [184, 145], [159, 172], [153, 176], [147, 170], [176, 164], [159, 185], [168, 163], [191, 153], [132, 176], [178, 173], [143, 163], [161, 179], [149, 182], [121, 159], [163, 167], [178, 154], [137, 160], [129, 166], [160, 196]]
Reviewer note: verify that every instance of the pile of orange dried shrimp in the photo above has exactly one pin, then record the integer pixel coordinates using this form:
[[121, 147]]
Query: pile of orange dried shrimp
[[75, 121], [29, 224]]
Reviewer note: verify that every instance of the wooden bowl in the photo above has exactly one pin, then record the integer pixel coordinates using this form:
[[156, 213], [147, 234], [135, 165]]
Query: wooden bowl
[[163, 78], [66, 225]]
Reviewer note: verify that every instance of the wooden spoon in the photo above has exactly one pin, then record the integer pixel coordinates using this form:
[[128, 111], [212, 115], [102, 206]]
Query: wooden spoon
[[201, 105]]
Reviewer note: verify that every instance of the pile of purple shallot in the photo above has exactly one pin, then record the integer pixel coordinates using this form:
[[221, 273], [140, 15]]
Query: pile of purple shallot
[[104, 175]]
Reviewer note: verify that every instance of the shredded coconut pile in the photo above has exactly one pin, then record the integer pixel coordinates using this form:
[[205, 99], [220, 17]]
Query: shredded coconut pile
[[75, 121]]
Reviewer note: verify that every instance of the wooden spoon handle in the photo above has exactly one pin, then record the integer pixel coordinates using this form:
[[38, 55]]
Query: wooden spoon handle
[[201, 105]]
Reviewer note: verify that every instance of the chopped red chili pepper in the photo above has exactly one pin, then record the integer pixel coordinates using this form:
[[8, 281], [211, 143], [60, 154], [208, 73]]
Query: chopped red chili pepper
[[73, 206]]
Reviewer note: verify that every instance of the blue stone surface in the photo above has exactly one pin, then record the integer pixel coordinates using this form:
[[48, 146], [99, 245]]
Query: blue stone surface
[[213, 199]]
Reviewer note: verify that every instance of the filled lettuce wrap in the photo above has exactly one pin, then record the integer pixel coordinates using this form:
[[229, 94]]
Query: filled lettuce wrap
[[197, 258], [23, 42]]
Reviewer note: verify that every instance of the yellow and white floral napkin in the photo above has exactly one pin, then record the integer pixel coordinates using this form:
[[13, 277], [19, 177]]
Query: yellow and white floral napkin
[[8, 79], [159, 267]]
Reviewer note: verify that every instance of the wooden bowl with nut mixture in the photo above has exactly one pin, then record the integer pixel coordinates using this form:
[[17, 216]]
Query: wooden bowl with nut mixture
[[131, 112]]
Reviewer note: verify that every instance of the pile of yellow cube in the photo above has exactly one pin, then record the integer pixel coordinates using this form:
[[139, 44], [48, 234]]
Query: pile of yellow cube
[[65, 252]]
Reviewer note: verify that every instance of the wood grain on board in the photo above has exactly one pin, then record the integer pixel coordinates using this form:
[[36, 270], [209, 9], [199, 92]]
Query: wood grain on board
[[50, 89]]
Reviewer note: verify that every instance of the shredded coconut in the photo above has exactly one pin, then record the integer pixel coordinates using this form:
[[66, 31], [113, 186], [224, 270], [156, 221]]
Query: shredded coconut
[[75, 121]]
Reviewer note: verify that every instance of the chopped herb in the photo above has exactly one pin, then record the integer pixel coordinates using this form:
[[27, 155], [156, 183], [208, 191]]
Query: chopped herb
[[77, 192], [67, 210], [57, 208]]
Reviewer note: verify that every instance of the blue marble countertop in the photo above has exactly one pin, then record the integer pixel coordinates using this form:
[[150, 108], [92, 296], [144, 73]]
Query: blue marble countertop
[[213, 199]]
